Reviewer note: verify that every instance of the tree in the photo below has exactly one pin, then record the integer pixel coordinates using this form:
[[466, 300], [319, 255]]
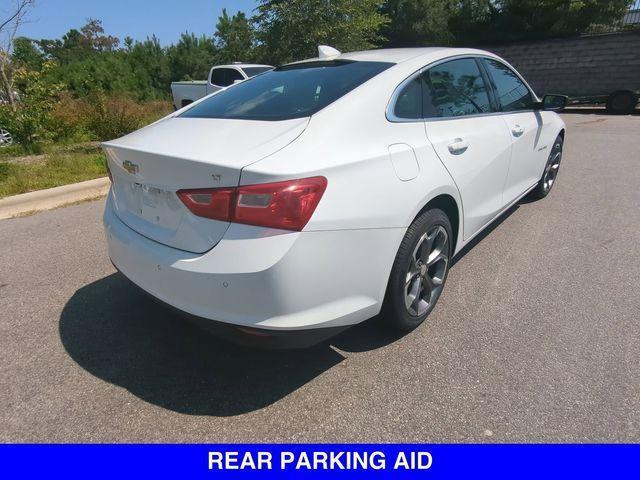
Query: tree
[[418, 22], [92, 37], [26, 54], [149, 65], [30, 120], [488, 21], [9, 25], [234, 38], [109, 72], [128, 43], [79, 44], [192, 57], [289, 30]]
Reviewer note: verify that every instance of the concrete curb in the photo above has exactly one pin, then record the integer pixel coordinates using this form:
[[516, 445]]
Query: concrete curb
[[32, 202]]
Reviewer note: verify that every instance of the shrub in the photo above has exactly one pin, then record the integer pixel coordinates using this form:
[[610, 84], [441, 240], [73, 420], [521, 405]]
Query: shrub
[[112, 117], [46, 114], [30, 121], [98, 117], [69, 120]]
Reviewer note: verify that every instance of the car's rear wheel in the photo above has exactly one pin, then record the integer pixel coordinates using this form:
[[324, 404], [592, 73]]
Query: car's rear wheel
[[419, 271], [6, 138], [550, 173]]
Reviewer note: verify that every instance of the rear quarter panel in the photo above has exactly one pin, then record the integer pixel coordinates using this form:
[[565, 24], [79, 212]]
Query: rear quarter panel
[[348, 143]]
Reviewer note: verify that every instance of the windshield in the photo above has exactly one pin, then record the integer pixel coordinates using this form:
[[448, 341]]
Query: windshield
[[291, 91], [253, 71]]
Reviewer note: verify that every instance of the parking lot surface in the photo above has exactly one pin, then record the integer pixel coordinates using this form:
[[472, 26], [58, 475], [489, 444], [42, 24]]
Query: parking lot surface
[[535, 339]]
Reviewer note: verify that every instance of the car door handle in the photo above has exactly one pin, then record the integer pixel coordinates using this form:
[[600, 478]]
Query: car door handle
[[517, 131], [458, 146]]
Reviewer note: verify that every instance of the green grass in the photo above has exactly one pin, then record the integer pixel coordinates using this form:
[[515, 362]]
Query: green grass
[[55, 170], [17, 151], [13, 151]]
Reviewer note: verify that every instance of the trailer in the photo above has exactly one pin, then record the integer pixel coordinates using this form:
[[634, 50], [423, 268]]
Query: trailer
[[595, 69]]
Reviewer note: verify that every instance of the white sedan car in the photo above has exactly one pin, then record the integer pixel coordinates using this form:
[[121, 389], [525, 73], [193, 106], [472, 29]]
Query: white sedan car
[[325, 192]]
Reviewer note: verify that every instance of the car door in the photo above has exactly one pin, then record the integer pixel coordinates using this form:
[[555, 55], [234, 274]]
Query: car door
[[471, 141], [516, 101]]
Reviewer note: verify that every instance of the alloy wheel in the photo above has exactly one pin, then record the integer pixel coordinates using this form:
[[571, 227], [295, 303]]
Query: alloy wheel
[[427, 270], [551, 170], [6, 138]]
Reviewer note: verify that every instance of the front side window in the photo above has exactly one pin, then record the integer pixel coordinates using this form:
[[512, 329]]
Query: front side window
[[512, 93], [455, 89], [292, 91]]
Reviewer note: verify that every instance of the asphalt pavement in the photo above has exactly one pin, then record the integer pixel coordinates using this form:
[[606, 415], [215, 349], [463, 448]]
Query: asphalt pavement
[[535, 339]]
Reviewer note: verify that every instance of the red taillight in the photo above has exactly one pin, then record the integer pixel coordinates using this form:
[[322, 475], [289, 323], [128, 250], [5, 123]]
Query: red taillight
[[286, 205], [212, 203]]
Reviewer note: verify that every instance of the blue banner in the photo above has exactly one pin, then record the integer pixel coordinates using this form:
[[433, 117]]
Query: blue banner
[[320, 461]]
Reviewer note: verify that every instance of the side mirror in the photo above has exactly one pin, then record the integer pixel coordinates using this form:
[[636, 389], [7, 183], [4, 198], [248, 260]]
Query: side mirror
[[238, 81], [553, 103]]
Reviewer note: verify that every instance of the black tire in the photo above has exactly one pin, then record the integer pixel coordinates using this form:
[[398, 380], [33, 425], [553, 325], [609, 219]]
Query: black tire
[[395, 312], [622, 102], [544, 186]]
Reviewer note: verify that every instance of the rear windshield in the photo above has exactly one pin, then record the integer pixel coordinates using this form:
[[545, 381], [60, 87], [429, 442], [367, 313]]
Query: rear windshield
[[253, 71], [291, 91]]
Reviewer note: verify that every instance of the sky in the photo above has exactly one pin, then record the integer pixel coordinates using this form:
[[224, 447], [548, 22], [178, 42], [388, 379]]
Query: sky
[[135, 18]]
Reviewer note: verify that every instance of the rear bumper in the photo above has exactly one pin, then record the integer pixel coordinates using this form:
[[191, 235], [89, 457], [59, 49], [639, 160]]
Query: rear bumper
[[264, 280], [265, 338]]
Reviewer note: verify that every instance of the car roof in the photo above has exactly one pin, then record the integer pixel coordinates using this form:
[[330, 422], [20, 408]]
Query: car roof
[[392, 55], [395, 55], [242, 65]]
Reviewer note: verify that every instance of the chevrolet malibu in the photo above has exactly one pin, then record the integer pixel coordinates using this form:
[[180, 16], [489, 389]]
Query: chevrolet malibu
[[325, 192]]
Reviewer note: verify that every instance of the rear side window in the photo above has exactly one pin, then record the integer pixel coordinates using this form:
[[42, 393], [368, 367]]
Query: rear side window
[[223, 77], [233, 75], [409, 101], [455, 89], [253, 71], [219, 77], [291, 91], [512, 93]]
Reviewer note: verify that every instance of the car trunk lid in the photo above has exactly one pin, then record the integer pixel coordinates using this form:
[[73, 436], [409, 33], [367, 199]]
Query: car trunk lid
[[149, 166]]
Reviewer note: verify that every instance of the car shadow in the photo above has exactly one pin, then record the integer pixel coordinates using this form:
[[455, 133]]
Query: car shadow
[[594, 111], [122, 336]]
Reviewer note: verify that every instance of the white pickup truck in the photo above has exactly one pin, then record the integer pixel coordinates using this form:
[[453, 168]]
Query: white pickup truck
[[220, 76]]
